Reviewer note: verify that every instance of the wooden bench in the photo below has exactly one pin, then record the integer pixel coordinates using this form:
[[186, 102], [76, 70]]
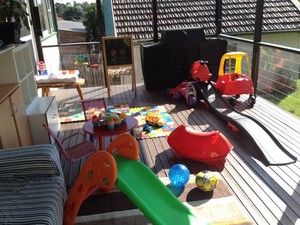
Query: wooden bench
[[46, 86]]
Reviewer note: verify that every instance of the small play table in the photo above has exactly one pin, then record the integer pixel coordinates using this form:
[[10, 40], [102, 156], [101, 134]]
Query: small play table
[[104, 131]]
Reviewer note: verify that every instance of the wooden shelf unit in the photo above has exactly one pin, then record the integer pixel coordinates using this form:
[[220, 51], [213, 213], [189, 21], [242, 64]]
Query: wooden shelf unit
[[18, 66]]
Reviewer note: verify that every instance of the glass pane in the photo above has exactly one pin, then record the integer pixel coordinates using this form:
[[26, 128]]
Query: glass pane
[[46, 16], [77, 21]]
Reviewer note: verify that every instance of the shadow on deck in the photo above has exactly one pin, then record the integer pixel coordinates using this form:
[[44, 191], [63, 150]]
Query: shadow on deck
[[270, 195]]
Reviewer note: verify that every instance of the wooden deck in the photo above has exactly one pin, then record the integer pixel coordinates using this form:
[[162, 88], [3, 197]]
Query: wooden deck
[[270, 195]]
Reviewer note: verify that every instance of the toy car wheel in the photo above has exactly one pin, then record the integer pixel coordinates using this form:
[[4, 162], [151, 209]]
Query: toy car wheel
[[251, 101], [192, 100], [232, 101], [178, 95]]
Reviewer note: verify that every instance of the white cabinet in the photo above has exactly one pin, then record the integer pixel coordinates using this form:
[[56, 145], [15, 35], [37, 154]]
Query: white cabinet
[[43, 111], [17, 65]]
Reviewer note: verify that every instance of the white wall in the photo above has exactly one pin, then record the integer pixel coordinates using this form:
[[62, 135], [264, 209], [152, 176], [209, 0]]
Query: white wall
[[51, 55]]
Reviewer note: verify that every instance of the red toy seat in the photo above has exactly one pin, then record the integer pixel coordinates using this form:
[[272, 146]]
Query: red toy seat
[[234, 84], [201, 146], [199, 71]]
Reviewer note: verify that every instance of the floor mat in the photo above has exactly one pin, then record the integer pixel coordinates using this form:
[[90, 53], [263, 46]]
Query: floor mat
[[139, 113], [71, 114], [74, 113]]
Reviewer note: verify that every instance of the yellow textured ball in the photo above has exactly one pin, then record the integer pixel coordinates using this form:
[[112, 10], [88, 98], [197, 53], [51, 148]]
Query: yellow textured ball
[[206, 181]]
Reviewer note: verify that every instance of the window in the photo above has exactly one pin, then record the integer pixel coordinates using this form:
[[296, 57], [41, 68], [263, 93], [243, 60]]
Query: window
[[46, 17]]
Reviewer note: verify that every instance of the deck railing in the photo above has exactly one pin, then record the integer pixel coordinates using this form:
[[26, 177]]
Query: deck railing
[[85, 57], [278, 76], [278, 73]]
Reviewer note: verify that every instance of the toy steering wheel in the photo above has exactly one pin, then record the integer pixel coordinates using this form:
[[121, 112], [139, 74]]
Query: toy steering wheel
[[236, 76]]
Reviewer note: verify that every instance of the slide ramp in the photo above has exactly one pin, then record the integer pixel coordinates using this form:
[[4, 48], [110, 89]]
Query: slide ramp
[[151, 196], [272, 150]]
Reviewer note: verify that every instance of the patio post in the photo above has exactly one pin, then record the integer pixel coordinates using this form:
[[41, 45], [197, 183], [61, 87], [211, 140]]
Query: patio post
[[100, 20], [218, 16], [257, 40], [154, 20]]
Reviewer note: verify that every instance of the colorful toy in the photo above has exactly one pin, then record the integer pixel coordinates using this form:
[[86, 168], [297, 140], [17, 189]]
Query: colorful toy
[[134, 179], [206, 181], [109, 119], [197, 145], [179, 175], [147, 128], [199, 71], [186, 90], [234, 81], [42, 68], [98, 171], [154, 119]]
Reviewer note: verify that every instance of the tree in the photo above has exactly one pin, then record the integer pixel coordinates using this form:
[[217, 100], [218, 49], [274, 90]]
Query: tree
[[60, 9], [91, 23], [72, 13], [85, 4]]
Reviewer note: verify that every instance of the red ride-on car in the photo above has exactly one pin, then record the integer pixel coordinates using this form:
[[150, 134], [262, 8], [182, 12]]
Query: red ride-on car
[[232, 79]]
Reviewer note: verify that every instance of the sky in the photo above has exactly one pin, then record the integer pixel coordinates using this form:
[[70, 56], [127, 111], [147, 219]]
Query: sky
[[71, 1]]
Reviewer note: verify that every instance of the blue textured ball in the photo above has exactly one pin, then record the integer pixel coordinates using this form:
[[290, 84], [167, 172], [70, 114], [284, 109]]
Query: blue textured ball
[[179, 175], [176, 190]]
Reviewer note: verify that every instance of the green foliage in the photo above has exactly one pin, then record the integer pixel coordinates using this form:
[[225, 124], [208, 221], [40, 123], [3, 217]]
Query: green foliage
[[291, 103], [91, 23], [60, 8], [14, 10], [72, 13], [85, 12]]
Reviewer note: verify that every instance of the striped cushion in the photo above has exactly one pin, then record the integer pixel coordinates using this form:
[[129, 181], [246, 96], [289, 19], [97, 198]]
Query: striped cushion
[[29, 161], [32, 186], [40, 201]]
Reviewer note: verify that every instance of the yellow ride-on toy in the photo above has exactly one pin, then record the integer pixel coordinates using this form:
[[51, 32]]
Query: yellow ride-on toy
[[232, 78]]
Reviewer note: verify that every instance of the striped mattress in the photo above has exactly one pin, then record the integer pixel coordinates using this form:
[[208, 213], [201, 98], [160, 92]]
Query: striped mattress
[[32, 186]]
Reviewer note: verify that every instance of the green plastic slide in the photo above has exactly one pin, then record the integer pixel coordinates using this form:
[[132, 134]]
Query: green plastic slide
[[151, 196]]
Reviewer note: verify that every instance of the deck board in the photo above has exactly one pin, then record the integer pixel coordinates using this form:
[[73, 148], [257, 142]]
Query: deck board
[[270, 195]]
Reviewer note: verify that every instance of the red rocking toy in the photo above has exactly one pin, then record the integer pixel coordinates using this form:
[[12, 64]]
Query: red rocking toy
[[201, 146]]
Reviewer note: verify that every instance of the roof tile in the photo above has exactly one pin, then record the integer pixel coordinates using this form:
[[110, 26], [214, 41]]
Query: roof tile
[[135, 16]]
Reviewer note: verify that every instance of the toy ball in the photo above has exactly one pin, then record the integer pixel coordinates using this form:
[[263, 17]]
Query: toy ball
[[179, 175], [176, 190], [154, 119], [206, 181]]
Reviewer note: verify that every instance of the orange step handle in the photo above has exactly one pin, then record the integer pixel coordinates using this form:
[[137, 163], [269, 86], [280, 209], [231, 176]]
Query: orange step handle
[[124, 145], [99, 171]]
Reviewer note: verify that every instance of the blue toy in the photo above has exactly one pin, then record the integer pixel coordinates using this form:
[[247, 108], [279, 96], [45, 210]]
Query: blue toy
[[179, 175]]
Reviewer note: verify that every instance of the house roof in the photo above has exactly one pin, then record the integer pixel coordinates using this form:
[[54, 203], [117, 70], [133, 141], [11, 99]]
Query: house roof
[[71, 26], [238, 16]]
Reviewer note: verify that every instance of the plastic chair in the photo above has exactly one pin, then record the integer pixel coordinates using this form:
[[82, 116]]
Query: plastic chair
[[73, 153], [92, 106]]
